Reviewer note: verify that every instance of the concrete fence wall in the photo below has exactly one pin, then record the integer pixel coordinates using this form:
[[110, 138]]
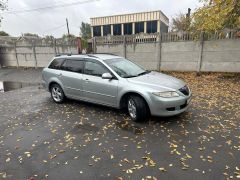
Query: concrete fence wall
[[211, 55], [180, 56], [219, 55], [28, 54]]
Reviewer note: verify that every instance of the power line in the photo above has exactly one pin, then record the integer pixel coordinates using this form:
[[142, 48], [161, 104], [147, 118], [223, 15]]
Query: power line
[[24, 20], [49, 7], [55, 28]]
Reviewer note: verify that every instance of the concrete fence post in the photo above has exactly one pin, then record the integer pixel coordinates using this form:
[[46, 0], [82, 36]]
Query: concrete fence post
[[124, 47], [34, 55], [159, 52], [16, 55], [94, 48], [200, 53], [79, 45], [55, 46]]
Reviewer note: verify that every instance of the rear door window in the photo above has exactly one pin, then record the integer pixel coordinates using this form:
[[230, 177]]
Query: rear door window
[[56, 63], [73, 65]]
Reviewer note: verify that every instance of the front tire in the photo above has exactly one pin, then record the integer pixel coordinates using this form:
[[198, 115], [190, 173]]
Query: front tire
[[57, 93], [137, 108]]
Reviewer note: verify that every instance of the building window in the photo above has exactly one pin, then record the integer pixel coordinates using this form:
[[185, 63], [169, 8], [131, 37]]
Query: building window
[[139, 27], [151, 26], [96, 31], [106, 30], [117, 29], [128, 28], [163, 28]]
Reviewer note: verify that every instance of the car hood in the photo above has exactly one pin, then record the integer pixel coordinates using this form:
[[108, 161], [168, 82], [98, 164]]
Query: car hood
[[158, 81]]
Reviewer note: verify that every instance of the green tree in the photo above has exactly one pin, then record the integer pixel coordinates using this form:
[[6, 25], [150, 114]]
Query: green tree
[[85, 31], [217, 15], [49, 36], [85, 34], [30, 34], [70, 36], [3, 33], [181, 22]]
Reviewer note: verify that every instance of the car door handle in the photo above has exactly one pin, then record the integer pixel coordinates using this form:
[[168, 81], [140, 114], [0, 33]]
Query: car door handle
[[60, 74], [87, 80]]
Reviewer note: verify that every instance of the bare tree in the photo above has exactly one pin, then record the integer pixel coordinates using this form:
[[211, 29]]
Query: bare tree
[[181, 22]]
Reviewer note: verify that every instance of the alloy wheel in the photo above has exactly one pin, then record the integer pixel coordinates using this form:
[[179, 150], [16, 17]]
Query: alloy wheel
[[132, 109], [57, 94]]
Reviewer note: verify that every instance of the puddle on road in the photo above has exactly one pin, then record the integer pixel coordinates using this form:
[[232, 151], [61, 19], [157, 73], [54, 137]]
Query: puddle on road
[[10, 85], [125, 125]]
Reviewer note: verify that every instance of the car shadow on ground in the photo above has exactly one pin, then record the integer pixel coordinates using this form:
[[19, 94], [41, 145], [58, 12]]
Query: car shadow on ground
[[123, 119], [171, 119]]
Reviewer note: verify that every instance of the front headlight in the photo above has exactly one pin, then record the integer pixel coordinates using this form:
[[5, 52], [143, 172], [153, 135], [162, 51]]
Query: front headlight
[[167, 94]]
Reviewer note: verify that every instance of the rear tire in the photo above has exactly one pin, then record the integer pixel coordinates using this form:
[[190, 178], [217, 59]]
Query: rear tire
[[137, 108], [57, 93]]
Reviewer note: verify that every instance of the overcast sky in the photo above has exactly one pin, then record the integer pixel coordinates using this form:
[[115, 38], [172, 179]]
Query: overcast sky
[[51, 21]]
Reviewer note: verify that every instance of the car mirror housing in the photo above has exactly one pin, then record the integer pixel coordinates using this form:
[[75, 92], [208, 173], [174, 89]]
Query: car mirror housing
[[107, 76]]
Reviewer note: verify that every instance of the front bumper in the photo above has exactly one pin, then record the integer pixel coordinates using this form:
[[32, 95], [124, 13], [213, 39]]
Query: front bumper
[[169, 106]]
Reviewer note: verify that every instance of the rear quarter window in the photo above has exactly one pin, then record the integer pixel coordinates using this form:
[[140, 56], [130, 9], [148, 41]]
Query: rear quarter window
[[56, 64]]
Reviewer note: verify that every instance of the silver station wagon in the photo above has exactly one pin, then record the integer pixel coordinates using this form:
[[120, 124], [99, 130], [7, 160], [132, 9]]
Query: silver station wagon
[[117, 82]]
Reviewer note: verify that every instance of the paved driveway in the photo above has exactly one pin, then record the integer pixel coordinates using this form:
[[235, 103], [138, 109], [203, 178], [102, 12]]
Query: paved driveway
[[43, 140]]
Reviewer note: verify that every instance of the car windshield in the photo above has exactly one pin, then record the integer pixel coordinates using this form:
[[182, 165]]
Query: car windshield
[[125, 68]]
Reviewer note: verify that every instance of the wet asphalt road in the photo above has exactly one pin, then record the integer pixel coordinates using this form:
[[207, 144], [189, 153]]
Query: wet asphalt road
[[43, 140]]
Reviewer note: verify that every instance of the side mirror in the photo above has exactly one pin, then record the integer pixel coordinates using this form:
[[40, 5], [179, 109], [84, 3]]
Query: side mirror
[[107, 76]]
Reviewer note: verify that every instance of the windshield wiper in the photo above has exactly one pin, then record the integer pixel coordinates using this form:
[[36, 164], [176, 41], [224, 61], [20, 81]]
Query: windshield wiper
[[144, 72], [130, 76], [140, 74]]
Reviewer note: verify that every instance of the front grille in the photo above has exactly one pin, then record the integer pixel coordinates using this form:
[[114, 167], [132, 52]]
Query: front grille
[[184, 90], [171, 109]]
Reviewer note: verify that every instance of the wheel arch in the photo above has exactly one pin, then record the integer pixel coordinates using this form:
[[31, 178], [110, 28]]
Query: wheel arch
[[125, 96], [54, 82]]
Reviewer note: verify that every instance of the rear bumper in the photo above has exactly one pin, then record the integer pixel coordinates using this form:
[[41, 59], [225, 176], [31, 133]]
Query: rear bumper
[[169, 106]]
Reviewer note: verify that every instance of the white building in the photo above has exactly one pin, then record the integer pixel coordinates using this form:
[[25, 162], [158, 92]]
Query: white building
[[126, 24]]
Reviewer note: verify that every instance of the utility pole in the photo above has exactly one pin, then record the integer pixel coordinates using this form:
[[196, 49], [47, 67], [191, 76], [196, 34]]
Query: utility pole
[[188, 15], [188, 18], [68, 36], [67, 27], [80, 32]]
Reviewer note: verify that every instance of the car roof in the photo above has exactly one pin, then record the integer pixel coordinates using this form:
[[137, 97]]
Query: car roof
[[93, 56]]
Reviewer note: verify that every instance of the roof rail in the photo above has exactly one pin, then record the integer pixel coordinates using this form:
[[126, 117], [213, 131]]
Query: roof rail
[[105, 53], [62, 54], [91, 55], [94, 54], [66, 54]]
